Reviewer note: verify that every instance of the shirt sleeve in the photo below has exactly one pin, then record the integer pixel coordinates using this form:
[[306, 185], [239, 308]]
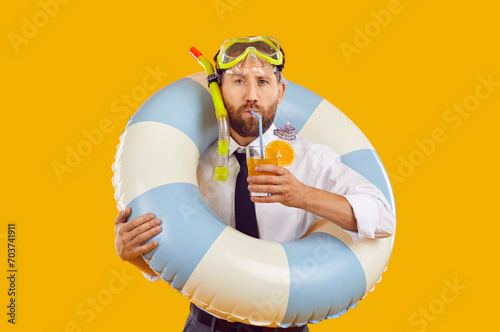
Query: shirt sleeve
[[150, 277], [372, 211]]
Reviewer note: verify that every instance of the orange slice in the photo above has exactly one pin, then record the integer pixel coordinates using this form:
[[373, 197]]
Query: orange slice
[[282, 150]]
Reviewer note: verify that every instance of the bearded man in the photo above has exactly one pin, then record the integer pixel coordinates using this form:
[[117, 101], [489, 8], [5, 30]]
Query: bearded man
[[315, 186]]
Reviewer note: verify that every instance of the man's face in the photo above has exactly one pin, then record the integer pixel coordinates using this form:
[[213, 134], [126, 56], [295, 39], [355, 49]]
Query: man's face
[[253, 89]]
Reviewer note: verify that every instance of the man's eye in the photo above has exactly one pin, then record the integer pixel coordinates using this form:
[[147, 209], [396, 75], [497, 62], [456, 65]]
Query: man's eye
[[263, 82], [238, 81]]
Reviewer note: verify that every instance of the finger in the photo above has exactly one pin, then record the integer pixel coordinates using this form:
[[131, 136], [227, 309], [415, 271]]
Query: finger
[[264, 179], [264, 188], [271, 189], [122, 216], [144, 228], [145, 236], [270, 168], [266, 199], [136, 222], [145, 248]]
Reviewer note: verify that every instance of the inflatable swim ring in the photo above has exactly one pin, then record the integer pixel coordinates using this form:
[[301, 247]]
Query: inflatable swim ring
[[232, 275]]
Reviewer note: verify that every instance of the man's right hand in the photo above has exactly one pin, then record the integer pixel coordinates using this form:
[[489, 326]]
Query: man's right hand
[[129, 237]]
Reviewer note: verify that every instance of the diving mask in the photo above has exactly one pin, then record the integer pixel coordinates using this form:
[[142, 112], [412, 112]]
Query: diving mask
[[264, 49]]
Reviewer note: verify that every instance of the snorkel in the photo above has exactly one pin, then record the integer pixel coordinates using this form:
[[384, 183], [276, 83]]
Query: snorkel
[[221, 168]]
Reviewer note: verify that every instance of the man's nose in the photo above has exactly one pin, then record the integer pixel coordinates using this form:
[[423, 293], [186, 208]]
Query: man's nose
[[251, 92]]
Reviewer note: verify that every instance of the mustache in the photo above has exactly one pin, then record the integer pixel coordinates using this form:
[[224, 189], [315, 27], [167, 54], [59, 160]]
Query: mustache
[[250, 105]]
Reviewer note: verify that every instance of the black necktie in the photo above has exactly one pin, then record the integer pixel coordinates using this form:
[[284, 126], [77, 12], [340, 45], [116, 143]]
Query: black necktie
[[244, 208]]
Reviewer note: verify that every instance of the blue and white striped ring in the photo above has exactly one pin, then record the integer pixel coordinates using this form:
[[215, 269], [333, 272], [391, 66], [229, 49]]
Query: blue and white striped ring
[[232, 275]]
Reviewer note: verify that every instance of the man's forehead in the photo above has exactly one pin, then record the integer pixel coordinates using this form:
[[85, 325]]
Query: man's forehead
[[258, 73]]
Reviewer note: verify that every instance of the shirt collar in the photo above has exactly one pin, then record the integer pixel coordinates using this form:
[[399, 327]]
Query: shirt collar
[[267, 137]]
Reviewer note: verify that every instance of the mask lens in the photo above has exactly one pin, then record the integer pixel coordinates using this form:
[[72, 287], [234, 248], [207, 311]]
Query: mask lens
[[231, 49], [238, 49]]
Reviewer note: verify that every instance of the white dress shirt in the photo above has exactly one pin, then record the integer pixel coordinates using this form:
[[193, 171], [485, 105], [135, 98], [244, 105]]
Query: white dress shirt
[[315, 165]]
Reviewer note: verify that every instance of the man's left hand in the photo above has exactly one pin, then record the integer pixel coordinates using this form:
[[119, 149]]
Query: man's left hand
[[284, 186]]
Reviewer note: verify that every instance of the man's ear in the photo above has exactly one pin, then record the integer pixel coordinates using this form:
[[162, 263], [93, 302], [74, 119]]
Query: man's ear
[[281, 91]]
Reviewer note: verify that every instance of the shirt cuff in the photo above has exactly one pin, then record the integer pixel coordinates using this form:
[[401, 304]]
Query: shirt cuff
[[366, 213], [352, 234], [150, 277]]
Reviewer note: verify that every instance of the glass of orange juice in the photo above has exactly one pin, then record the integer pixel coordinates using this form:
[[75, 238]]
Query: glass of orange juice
[[254, 158]]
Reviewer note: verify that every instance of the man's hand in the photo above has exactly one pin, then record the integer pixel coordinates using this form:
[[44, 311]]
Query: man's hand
[[129, 237], [289, 191], [285, 187]]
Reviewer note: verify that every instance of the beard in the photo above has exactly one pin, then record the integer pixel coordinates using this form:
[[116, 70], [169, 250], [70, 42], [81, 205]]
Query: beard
[[249, 127]]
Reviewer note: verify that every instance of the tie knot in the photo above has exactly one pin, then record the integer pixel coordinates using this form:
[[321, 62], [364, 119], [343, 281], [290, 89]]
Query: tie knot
[[241, 157]]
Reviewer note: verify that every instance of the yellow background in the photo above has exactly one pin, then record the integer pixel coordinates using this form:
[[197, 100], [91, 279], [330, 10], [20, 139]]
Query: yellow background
[[63, 79]]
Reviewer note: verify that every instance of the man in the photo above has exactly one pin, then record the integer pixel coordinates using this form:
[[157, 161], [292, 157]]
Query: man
[[316, 186]]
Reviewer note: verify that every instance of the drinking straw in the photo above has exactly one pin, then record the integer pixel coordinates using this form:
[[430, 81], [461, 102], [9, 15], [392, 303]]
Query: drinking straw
[[260, 133]]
